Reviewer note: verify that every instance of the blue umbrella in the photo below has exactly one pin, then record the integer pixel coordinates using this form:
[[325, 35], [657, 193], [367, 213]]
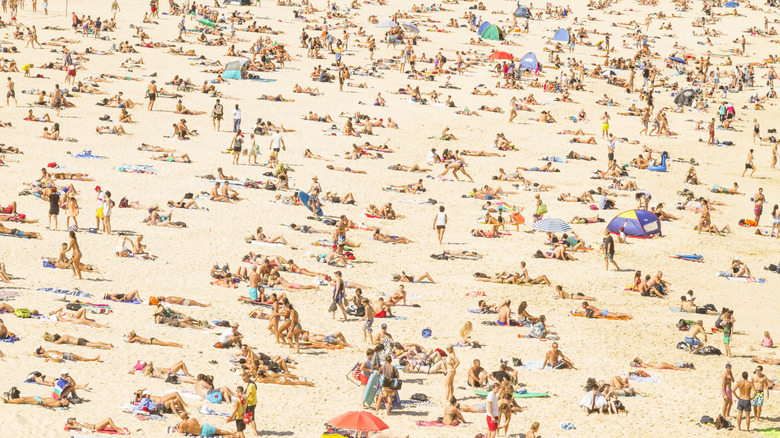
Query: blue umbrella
[[678, 59], [387, 23], [409, 27], [731, 5], [551, 225]]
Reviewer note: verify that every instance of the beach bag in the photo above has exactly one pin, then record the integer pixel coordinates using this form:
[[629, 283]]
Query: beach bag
[[247, 417], [219, 345], [22, 313], [722, 423], [73, 306], [394, 384], [542, 209], [419, 397]]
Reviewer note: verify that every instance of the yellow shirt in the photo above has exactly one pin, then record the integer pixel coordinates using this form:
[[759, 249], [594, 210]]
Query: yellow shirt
[[251, 394]]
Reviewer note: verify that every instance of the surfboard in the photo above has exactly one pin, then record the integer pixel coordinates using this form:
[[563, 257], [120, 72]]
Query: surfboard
[[517, 394], [304, 197], [371, 388]]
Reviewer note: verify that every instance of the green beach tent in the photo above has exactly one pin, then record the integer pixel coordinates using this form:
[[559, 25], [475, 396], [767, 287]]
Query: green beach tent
[[492, 32]]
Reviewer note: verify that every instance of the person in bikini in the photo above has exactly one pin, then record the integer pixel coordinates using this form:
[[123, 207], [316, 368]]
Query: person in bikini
[[47, 402], [59, 356], [133, 338], [102, 425], [602, 312], [560, 294]]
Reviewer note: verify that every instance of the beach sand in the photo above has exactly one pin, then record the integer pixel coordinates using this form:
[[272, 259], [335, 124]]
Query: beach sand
[[599, 348]]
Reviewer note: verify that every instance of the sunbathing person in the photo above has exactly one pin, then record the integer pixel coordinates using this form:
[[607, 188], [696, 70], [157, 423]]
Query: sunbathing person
[[589, 140], [275, 280], [187, 203], [192, 427], [281, 379], [59, 356], [586, 220], [567, 296], [33, 118], [168, 403], [76, 317], [164, 372], [72, 340], [277, 98], [413, 168], [183, 158], [765, 360], [173, 318], [47, 402], [103, 425], [334, 339], [131, 338], [575, 156], [584, 197], [344, 169], [546, 168], [118, 130], [261, 237], [559, 253], [123, 298], [409, 188], [176, 300], [404, 278], [389, 239], [308, 90], [19, 233], [308, 154], [181, 109], [657, 365], [602, 312], [689, 307], [149, 148], [734, 191], [336, 199]]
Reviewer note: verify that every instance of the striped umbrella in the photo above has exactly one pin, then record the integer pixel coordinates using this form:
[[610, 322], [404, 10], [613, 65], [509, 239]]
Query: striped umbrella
[[551, 225]]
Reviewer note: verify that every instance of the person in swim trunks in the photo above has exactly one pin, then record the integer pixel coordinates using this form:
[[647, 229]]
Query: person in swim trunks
[[745, 392], [48, 402], [761, 383], [728, 380], [193, 427], [556, 359]]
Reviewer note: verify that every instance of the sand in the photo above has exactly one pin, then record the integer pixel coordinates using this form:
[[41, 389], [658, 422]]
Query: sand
[[600, 349]]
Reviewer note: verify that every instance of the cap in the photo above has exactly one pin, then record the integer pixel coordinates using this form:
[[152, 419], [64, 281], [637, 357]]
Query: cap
[[314, 178], [97, 187], [384, 326], [64, 372], [147, 392], [504, 360], [737, 258], [728, 365]]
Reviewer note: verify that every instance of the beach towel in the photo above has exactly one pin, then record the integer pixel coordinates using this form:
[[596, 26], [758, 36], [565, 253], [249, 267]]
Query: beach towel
[[140, 168], [582, 314], [516, 394], [6, 294], [10, 339], [135, 301], [641, 379], [322, 346], [697, 259], [16, 235], [107, 431], [435, 423], [75, 293], [59, 386], [475, 293], [769, 431]]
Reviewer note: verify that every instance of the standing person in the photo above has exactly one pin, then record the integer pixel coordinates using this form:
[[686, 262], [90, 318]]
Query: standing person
[[604, 125], [368, 329], [756, 130], [761, 383], [216, 115], [744, 391], [236, 119], [72, 210], [252, 151], [54, 209], [711, 131], [343, 76], [726, 390], [114, 9], [107, 210], [611, 148], [152, 94], [704, 221], [338, 296], [609, 250], [776, 221], [451, 364], [758, 200], [75, 260], [386, 392], [277, 144], [749, 164], [440, 223], [728, 326], [541, 208], [11, 93], [251, 400], [239, 407], [99, 205], [491, 408], [237, 145], [774, 156]]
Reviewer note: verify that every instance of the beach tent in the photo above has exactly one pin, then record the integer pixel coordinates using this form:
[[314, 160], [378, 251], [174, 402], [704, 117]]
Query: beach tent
[[642, 224], [685, 97], [492, 32], [731, 5], [561, 35], [387, 23], [522, 12], [234, 68], [237, 2], [482, 27], [529, 62]]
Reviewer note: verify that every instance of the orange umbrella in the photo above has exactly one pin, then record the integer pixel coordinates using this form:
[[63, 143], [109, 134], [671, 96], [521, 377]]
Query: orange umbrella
[[360, 421], [501, 55]]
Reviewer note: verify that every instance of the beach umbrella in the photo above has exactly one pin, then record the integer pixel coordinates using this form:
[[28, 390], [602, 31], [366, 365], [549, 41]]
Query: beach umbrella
[[501, 55], [361, 421], [409, 27], [522, 12], [206, 22], [387, 23], [561, 35], [551, 225], [678, 59], [731, 5], [609, 72]]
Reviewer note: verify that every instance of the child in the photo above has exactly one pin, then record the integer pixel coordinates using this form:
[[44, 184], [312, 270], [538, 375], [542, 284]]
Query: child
[[767, 341], [727, 338]]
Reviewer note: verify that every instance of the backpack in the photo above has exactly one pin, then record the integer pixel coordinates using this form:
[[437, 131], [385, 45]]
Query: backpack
[[722, 423], [22, 313], [73, 306], [707, 420], [419, 397], [682, 325]]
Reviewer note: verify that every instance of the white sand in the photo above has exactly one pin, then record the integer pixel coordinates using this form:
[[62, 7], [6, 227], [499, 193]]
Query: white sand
[[599, 348]]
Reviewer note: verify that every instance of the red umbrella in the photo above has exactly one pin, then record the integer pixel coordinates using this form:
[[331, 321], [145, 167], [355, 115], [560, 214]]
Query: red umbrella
[[360, 421], [501, 55]]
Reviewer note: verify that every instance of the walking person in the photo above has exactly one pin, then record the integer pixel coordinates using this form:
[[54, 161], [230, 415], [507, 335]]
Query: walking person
[[749, 165], [611, 148], [276, 145], [99, 205], [72, 211], [251, 400], [338, 296], [152, 94], [440, 223], [236, 119], [609, 250], [216, 115], [491, 408], [107, 210], [237, 145]]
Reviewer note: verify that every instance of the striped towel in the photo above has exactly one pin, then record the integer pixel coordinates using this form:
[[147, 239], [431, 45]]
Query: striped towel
[[59, 387], [475, 293]]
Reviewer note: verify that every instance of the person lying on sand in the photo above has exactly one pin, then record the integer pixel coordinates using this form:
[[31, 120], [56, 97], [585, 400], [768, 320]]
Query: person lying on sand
[[103, 425], [72, 340], [123, 298], [333, 339], [59, 356], [404, 278], [131, 338], [176, 300], [192, 427], [19, 233], [639, 363], [76, 317], [567, 296], [389, 239], [183, 158], [164, 373], [602, 312], [118, 130], [47, 402]]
